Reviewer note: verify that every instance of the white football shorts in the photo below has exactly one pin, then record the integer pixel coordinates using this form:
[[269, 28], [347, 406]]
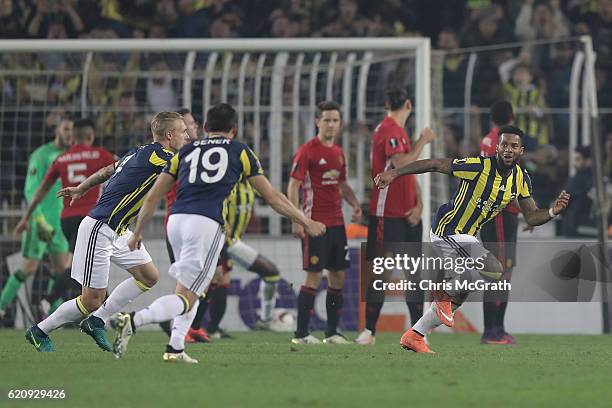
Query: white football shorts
[[196, 242], [97, 245]]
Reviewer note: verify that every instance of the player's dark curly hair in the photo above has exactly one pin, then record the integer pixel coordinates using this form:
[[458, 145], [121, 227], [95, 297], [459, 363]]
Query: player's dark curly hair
[[502, 113], [395, 98], [513, 130], [221, 118]]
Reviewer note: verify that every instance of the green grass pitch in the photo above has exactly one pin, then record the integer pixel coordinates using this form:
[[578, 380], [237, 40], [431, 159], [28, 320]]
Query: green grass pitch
[[264, 370]]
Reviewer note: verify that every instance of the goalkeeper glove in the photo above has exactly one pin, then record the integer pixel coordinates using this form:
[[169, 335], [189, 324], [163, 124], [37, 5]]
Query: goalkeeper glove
[[44, 229]]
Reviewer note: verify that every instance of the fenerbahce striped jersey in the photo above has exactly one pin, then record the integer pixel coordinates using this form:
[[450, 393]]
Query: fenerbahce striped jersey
[[482, 194], [135, 174], [207, 171]]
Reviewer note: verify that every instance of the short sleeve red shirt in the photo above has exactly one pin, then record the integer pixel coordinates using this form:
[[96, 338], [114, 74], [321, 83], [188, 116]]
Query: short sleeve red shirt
[[400, 196], [320, 168], [488, 144], [74, 166]]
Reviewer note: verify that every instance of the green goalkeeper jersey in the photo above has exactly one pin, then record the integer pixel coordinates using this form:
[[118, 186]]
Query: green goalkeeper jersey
[[38, 164]]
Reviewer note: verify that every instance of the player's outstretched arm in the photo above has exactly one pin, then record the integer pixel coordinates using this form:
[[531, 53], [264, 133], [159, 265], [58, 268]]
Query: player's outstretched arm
[[39, 195], [283, 206], [535, 216], [162, 186], [382, 180], [98, 177]]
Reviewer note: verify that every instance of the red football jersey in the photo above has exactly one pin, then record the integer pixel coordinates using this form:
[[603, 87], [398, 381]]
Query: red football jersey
[[400, 196], [488, 148], [320, 168], [74, 166], [170, 199], [488, 144]]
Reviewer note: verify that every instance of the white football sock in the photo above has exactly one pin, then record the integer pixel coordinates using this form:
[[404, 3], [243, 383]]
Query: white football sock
[[122, 295], [161, 310], [267, 295], [67, 312], [180, 327], [427, 322]]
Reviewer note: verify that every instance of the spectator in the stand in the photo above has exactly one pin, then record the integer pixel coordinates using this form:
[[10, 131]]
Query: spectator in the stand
[[529, 104], [11, 20], [46, 13], [601, 29], [489, 29], [558, 75], [161, 95], [125, 124], [193, 20], [348, 22], [455, 67], [281, 25], [541, 21], [530, 107], [578, 213]]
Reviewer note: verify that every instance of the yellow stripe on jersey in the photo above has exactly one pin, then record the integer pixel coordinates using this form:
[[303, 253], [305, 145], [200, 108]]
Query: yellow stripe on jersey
[[156, 160], [448, 217], [240, 209], [521, 184], [246, 164], [125, 200], [466, 174], [122, 226], [174, 163], [478, 191], [492, 197]]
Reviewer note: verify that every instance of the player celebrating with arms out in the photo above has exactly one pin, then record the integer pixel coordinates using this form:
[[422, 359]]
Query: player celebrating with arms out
[[488, 185], [207, 171], [103, 236], [320, 168]]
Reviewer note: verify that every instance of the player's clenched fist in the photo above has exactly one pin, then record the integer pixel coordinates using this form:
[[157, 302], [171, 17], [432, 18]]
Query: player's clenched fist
[[382, 180], [315, 229]]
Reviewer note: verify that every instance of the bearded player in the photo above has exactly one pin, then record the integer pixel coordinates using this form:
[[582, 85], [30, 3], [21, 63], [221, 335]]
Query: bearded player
[[488, 185]]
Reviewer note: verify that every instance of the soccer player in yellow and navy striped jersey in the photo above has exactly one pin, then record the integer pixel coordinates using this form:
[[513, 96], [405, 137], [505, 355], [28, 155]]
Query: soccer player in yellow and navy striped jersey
[[487, 186], [239, 210], [103, 236]]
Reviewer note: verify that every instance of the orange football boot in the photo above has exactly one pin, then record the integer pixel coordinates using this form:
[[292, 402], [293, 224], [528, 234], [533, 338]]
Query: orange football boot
[[413, 341]]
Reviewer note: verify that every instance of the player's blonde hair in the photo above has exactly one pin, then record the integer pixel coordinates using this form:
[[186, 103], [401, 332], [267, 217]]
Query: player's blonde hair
[[163, 122]]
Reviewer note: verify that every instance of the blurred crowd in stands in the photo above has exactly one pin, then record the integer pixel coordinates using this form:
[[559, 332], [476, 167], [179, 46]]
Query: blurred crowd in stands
[[535, 77]]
